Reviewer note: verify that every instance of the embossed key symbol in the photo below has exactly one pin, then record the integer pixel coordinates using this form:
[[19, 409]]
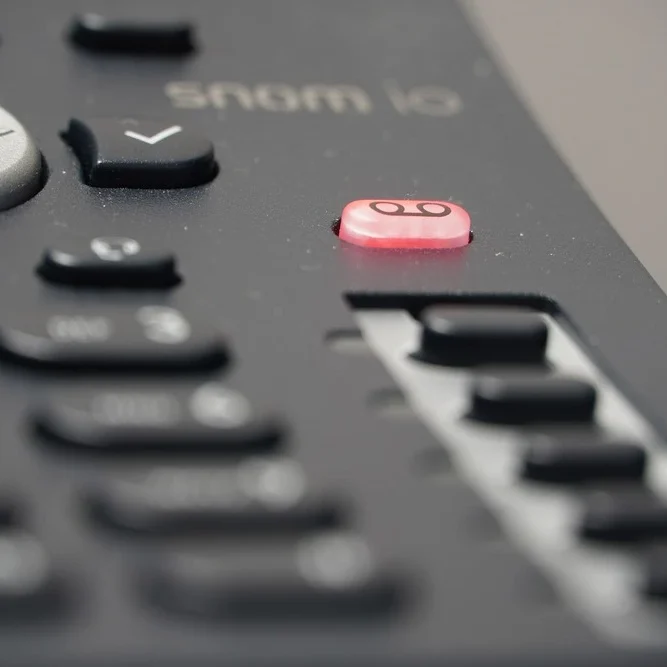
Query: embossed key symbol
[[405, 224], [164, 325], [422, 211], [114, 249]]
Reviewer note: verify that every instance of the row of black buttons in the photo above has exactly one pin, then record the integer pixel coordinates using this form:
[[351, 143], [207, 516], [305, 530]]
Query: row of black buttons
[[623, 512], [316, 568], [319, 576], [313, 570], [476, 337], [149, 338], [264, 497]]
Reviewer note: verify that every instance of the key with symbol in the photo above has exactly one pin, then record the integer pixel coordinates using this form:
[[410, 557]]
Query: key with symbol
[[127, 419], [254, 496], [150, 338], [327, 576], [130, 153], [109, 261]]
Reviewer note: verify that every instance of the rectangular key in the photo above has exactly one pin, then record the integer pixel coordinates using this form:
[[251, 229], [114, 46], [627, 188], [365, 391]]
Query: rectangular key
[[584, 458], [259, 496], [322, 577], [148, 338], [623, 517], [125, 420], [531, 399]]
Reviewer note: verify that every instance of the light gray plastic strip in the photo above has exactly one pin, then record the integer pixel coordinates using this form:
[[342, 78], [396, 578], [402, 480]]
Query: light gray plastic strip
[[601, 583]]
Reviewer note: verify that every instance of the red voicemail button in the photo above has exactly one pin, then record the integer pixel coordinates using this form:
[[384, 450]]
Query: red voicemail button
[[404, 223]]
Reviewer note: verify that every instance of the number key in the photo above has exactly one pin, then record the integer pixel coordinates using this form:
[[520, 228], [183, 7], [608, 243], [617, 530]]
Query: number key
[[150, 338]]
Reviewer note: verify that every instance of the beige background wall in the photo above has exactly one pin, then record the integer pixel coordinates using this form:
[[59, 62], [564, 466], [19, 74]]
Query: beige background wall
[[595, 74]]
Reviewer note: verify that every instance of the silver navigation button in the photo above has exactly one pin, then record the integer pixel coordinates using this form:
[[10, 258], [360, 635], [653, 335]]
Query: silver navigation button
[[20, 163]]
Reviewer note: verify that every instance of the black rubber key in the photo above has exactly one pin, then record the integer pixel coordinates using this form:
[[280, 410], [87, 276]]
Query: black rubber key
[[623, 517], [160, 37], [472, 336], [148, 338], [322, 577], [581, 459], [262, 496], [530, 399], [129, 419], [109, 261]]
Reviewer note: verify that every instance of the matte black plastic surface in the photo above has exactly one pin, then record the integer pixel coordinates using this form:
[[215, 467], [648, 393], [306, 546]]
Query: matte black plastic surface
[[259, 260]]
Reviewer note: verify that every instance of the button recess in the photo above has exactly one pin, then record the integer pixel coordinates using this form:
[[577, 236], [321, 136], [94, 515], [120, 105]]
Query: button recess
[[264, 496], [138, 419], [475, 335], [405, 224], [531, 399]]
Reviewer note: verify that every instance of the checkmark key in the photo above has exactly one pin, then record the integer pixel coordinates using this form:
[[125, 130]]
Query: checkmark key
[[153, 154], [156, 138]]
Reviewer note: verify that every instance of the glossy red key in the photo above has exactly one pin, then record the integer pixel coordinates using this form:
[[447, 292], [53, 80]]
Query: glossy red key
[[405, 223]]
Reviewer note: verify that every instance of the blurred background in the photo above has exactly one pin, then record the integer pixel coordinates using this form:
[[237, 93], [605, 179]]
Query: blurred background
[[593, 72]]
